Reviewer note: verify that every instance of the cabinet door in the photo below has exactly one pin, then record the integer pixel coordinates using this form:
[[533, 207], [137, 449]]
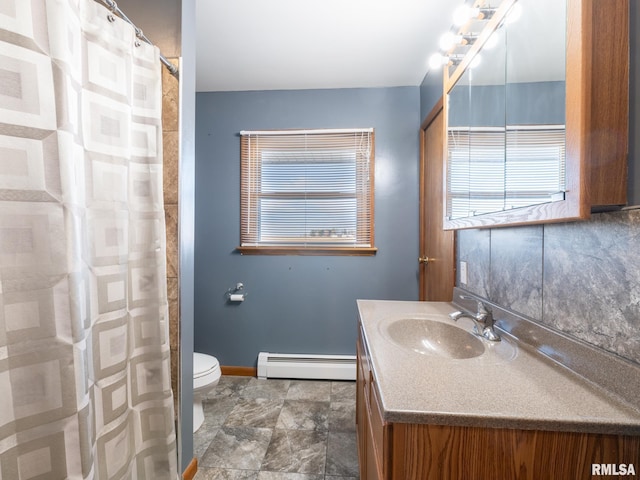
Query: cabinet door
[[372, 468]]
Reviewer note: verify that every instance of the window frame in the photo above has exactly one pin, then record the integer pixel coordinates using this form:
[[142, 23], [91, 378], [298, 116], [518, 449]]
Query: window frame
[[250, 193]]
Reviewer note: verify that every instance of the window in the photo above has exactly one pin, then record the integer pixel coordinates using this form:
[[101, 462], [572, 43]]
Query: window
[[307, 192], [521, 166]]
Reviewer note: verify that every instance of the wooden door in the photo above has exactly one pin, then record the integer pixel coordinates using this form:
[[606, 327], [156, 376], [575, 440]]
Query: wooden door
[[437, 252]]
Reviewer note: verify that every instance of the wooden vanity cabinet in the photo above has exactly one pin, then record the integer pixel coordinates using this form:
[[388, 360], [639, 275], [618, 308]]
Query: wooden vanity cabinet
[[408, 451]]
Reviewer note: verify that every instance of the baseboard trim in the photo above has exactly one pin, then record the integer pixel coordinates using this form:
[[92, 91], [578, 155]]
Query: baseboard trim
[[239, 371], [191, 470]]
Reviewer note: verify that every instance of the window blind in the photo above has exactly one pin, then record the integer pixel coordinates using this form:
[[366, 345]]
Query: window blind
[[491, 170], [307, 189]]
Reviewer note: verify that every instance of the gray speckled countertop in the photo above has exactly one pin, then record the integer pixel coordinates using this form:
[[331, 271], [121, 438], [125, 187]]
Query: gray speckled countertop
[[509, 386]]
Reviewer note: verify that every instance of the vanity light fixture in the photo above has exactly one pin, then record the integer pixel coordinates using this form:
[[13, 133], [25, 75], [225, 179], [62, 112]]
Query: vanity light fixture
[[438, 60], [451, 40], [465, 13]]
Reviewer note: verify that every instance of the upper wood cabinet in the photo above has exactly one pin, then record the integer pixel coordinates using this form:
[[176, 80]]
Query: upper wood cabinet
[[536, 133]]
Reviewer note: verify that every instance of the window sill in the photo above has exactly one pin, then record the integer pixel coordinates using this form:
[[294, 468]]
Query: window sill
[[317, 251]]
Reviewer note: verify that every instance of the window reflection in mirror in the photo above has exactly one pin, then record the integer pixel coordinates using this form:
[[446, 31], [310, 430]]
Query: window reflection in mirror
[[535, 100], [458, 166], [476, 134]]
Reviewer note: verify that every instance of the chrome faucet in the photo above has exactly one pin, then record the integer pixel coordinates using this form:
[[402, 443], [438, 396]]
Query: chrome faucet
[[483, 321]]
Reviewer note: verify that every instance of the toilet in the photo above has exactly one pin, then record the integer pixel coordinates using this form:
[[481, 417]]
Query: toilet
[[206, 374]]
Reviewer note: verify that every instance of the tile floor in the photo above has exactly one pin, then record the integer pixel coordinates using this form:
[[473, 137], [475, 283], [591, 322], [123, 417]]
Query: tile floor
[[278, 430]]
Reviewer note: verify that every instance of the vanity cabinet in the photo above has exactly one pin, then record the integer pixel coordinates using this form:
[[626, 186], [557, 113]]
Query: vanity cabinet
[[420, 451]]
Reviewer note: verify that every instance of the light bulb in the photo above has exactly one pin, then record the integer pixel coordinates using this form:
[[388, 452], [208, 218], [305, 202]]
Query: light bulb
[[437, 60], [449, 40], [463, 14]]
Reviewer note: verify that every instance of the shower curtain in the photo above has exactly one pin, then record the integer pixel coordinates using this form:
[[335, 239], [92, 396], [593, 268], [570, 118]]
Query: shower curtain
[[84, 353]]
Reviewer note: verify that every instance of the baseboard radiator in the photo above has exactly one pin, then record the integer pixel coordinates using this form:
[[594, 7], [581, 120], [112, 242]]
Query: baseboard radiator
[[306, 366]]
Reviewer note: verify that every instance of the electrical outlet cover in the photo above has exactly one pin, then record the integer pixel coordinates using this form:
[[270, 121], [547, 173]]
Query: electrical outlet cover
[[463, 273]]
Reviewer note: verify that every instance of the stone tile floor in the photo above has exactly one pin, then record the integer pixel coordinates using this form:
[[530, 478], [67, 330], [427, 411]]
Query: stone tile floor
[[278, 430]]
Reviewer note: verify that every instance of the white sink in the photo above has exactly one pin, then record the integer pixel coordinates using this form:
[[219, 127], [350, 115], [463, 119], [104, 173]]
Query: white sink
[[438, 337], [431, 337]]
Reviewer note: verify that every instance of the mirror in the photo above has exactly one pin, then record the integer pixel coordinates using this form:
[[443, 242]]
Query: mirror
[[476, 134], [506, 114]]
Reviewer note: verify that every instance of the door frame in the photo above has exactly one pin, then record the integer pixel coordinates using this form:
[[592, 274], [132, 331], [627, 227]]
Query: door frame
[[442, 255]]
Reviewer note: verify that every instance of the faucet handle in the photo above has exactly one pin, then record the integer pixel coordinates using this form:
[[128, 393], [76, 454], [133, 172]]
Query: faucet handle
[[484, 308], [483, 319], [481, 308]]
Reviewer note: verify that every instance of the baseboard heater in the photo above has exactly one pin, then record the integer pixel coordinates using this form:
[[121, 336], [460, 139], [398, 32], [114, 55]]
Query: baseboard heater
[[306, 366]]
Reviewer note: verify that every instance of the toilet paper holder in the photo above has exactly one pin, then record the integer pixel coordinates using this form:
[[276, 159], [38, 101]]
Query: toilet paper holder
[[236, 294]]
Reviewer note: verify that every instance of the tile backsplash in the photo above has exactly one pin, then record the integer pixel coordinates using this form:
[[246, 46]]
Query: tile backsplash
[[582, 278]]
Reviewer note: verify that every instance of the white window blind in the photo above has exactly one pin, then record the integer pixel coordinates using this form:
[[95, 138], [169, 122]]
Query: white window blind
[[491, 170], [307, 189]]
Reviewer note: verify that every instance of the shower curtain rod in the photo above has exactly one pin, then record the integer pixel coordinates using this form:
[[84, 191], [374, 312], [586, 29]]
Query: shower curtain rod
[[113, 8]]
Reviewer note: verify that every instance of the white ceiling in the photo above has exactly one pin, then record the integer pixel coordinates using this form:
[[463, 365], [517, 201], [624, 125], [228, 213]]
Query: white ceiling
[[301, 44]]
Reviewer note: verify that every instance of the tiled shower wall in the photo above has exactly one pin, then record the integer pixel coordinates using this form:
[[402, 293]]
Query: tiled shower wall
[[582, 278], [170, 123]]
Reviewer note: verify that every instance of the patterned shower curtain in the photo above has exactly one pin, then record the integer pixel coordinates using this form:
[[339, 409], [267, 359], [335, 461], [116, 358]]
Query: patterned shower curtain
[[84, 353]]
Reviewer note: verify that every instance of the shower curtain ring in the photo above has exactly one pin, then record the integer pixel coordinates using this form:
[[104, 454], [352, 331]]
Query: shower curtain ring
[[113, 7], [139, 36]]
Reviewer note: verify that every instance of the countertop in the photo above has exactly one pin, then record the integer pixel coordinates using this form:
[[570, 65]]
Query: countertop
[[509, 386]]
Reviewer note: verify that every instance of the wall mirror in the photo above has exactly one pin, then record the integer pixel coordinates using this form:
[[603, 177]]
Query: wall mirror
[[517, 148]]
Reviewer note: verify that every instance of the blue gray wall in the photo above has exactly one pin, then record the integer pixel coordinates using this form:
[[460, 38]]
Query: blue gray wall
[[300, 304], [582, 278], [430, 92]]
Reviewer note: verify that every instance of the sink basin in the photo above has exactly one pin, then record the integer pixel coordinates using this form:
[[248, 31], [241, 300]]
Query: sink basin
[[431, 337]]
